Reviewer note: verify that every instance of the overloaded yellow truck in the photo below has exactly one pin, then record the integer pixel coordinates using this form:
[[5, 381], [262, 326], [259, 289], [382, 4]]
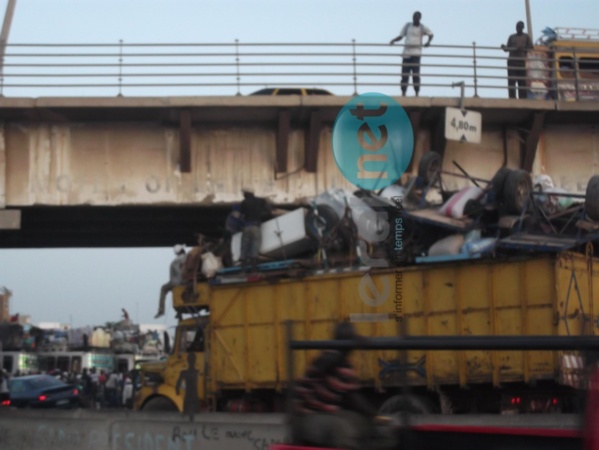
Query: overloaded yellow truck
[[235, 357], [563, 65]]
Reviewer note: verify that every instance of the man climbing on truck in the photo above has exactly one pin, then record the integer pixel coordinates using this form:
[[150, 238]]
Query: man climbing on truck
[[176, 271], [328, 410]]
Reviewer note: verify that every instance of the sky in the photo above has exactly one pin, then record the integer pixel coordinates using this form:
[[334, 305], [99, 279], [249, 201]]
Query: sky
[[90, 286]]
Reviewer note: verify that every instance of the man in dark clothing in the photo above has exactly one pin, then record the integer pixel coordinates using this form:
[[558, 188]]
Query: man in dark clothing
[[329, 411], [518, 45], [254, 210]]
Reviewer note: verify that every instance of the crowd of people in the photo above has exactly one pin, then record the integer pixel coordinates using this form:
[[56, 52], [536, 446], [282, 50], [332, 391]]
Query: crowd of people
[[100, 389]]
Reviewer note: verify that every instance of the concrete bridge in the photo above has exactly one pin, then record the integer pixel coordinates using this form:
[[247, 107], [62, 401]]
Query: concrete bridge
[[136, 172]]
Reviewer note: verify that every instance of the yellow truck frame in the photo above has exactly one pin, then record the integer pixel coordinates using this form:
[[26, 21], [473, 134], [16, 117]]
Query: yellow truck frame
[[234, 359]]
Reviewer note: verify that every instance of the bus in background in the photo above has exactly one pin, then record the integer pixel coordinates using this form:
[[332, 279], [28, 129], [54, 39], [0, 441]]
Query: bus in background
[[20, 362], [75, 361], [564, 65]]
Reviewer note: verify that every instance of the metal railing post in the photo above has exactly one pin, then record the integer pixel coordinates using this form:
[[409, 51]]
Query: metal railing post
[[553, 69], [353, 41], [237, 66], [2, 78], [120, 94], [461, 84], [576, 78], [474, 62], [8, 16]]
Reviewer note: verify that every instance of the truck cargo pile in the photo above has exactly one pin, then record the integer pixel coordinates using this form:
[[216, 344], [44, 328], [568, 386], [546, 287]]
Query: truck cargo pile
[[422, 222]]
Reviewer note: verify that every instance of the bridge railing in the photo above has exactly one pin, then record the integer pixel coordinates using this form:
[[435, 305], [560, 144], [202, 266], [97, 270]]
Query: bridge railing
[[129, 69]]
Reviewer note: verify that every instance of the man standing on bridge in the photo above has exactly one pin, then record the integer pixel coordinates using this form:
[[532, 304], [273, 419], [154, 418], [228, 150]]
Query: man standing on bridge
[[412, 51], [518, 45]]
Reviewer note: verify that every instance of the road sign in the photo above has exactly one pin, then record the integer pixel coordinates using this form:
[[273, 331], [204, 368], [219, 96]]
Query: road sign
[[462, 125]]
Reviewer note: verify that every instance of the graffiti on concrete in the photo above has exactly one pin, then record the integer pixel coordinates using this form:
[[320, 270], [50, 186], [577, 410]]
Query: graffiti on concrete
[[48, 436], [258, 442], [134, 437]]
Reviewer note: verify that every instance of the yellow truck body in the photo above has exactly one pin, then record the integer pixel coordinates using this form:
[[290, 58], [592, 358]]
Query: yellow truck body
[[245, 335]]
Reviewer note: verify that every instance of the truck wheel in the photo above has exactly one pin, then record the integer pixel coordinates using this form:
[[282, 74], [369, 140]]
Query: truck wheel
[[429, 166], [516, 190], [408, 403], [498, 181], [159, 404], [592, 198]]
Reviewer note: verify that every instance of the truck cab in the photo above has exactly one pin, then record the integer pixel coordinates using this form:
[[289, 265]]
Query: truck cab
[[177, 383]]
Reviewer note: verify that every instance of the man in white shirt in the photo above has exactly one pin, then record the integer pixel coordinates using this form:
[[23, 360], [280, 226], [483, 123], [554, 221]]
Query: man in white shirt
[[176, 275], [413, 32], [111, 387]]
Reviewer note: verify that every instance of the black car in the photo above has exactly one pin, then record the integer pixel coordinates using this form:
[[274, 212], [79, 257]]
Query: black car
[[291, 91], [42, 391]]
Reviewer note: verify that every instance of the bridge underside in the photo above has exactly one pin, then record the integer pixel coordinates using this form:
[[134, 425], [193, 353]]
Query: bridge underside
[[110, 226]]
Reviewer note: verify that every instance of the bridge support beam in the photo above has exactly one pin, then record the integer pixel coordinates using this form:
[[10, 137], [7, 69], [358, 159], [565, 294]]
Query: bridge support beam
[[415, 117], [3, 174], [185, 141], [438, 141], [530, 140], [312, 142], [282, 149]]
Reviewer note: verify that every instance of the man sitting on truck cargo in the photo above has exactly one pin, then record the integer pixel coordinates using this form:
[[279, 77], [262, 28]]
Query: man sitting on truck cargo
[[328, 410], [176, 272]]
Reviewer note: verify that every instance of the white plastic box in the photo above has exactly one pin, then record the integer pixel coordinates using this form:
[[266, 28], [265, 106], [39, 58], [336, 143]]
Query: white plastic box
[[282, 237]]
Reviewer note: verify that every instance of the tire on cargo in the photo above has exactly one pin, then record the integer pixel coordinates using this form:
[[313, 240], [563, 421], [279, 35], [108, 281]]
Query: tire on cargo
[[161, 404], [516, 190], [592, 198], [498, 181], [429, 166], [407, 403], [326, 214]]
